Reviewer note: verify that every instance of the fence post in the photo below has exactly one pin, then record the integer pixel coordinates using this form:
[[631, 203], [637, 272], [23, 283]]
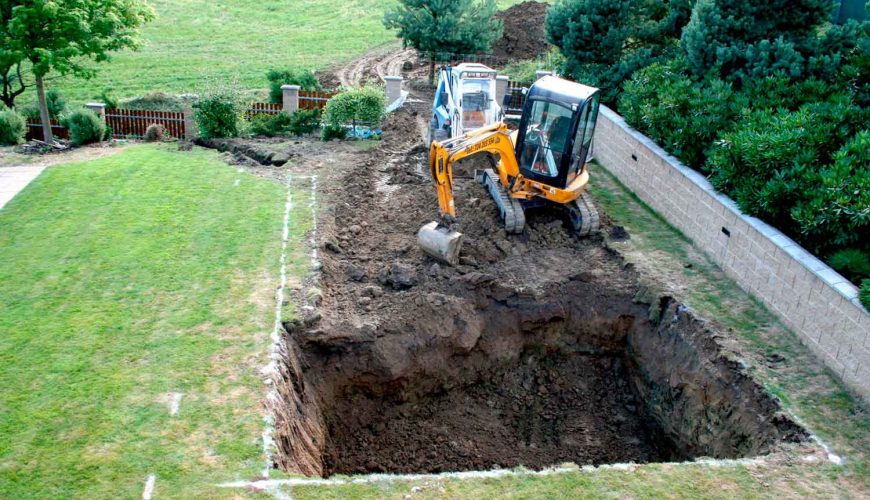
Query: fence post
[[189, 122], [501, 86], [98, 108], [291, 98], [393, 88], [541, 73]]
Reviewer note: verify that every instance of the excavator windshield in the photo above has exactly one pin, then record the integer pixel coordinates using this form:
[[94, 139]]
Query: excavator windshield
[[547, 132]]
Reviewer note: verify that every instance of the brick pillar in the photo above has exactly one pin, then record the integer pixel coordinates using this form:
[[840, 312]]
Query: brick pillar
[[291, 98], [98, 108], [501, 86], [190, 128], [394, 88], [541, 73]]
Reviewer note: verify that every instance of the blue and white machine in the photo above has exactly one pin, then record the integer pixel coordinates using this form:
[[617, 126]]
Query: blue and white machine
[[465, 100]]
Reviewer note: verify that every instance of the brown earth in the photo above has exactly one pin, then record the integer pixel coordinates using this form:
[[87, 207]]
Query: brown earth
[[537, 349], [524, 34]]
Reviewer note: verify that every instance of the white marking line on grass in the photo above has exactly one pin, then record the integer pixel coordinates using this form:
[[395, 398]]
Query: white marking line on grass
[[312, 204], [271, 369], [149, 487], [174, 403], [272, 484]]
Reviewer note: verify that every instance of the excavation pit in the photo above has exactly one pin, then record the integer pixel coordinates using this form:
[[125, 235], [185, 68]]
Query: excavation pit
[[536, 349]]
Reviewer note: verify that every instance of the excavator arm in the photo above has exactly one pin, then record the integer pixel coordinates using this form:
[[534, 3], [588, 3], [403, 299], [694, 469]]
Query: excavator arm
[[494, 139]]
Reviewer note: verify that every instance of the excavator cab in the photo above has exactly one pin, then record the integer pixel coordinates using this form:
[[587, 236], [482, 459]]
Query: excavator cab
[[541, 164], [555, 131]]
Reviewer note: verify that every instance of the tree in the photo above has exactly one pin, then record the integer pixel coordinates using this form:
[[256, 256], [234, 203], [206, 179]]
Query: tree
[[605, 41], [741, 39], [64, 35], [452, 26]]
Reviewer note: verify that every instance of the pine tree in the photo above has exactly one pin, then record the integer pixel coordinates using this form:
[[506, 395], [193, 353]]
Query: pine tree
[[749, 38], [605, 41], [445, 26]]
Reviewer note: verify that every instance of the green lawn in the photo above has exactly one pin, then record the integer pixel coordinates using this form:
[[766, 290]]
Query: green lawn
[[194, 41], [123, 280]]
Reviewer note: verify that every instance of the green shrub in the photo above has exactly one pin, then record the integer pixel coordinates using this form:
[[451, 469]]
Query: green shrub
[[219, 113], [682, 115], [864, 294], [108, 134], [303, 121], [12, 127], [84, 126], [605, 41], [155, 101], [775, 165], [108, 97], [364, 105], [302, 77], [262, 124], [331, 131], [56, 104], [526, 71], [852, 263], [837, 214]]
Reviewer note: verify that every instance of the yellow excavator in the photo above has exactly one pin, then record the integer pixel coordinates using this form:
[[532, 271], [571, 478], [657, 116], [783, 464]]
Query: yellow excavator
[[542, 163]]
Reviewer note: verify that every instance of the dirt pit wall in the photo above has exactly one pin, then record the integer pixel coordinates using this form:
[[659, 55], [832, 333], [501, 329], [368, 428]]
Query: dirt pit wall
[[533, 351]]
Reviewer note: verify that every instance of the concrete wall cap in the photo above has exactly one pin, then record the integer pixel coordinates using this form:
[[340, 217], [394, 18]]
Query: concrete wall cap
[[290, 87], [393, 78], [502, 77], [95, 105]]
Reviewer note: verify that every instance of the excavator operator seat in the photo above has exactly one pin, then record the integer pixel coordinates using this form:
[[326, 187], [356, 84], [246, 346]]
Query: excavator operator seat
[[556, 130]]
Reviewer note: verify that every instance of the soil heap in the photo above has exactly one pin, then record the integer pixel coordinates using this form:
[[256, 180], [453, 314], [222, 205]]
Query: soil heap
[[524, 36]]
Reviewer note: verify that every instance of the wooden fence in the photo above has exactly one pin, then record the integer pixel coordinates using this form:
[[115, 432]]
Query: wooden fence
[[34, 130], [314, 99], [267, 108], [133, 122]]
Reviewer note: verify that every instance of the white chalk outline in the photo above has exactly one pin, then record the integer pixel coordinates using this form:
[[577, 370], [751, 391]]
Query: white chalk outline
[[149, 487], [174, 403]]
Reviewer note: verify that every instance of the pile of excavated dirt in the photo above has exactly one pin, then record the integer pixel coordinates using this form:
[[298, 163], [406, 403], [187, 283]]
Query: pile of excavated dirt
[[524, 36], [535, 350]]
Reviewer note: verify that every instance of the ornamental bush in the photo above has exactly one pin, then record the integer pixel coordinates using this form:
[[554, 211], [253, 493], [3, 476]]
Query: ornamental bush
[[12, 127], [681, 114], [219, 113], [363, 105], [294, 76], [85, 127]]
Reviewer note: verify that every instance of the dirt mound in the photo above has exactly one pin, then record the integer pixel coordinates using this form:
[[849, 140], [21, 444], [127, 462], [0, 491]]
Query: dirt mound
[[524, 36]]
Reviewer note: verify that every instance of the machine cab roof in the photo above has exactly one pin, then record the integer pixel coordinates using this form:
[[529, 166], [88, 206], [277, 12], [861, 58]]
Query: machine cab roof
[[556, 130]]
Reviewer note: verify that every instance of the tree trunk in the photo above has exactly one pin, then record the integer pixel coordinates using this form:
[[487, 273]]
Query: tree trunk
[[431, 71], [43, 110]]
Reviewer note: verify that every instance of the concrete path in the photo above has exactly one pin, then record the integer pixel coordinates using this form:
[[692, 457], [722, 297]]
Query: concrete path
[[14, 179]]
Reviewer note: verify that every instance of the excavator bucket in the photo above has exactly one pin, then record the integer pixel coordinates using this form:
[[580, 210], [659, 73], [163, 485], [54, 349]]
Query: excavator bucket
[[440, 242]]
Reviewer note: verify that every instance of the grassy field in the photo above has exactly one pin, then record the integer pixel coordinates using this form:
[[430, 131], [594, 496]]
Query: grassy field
[[124, 280], [194, 41]]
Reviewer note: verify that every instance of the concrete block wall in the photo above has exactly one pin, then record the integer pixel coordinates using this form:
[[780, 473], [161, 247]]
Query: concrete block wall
[[812, 299]]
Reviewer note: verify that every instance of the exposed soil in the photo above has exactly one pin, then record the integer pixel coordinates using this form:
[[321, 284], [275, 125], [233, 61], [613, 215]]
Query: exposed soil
[[524, 35], [535, 350]]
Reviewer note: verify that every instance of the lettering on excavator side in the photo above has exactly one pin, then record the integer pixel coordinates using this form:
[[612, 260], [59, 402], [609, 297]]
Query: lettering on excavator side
[[482, 144]]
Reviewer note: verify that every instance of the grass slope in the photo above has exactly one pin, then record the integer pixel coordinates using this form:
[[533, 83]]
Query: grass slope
[[122, 280], [194, 41]]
